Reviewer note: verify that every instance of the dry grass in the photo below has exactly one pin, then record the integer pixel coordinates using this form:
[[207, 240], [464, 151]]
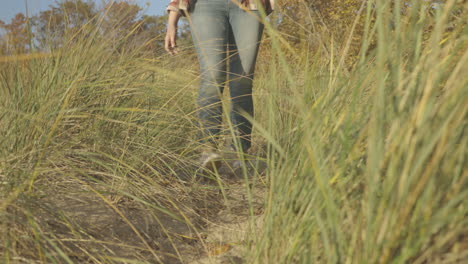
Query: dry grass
[[97, 153]]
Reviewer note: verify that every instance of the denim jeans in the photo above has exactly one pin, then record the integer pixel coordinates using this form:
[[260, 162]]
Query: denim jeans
[[225, 35]]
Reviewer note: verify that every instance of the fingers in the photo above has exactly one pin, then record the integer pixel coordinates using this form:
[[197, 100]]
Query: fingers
[[171, 43], [174, 46]]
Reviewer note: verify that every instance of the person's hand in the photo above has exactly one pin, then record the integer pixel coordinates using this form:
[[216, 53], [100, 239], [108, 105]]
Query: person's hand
[[171, 39], [171, 35]]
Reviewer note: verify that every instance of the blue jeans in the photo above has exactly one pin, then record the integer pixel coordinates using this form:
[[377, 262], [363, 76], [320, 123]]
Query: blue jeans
[[225, 35]]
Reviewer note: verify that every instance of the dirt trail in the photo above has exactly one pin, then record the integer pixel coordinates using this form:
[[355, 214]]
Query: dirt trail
[[228, 236], [94, 228]]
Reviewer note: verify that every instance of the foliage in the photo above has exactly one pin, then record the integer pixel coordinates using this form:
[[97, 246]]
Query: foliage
[[121, 21], [65, 17], [369, 165], [362, 116], [17, 37]]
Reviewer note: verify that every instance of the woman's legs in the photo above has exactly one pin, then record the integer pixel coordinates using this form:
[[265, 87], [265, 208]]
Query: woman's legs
[[244, 41], [210, 25], [218, 25]]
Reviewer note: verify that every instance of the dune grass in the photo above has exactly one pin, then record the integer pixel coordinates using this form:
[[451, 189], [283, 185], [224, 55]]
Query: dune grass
[[369, 166], [89, 119], [364, 165]]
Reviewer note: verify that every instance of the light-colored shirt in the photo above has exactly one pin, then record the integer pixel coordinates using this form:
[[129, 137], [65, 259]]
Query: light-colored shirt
[[184, 5]]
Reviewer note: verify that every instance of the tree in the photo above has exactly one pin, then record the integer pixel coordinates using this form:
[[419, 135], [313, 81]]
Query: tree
[[316, 23], [16, 38], [119, 23], [66, 17], [120, 18]]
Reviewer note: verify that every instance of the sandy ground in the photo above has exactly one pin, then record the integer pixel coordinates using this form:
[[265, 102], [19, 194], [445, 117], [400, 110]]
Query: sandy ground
[[94, 227]]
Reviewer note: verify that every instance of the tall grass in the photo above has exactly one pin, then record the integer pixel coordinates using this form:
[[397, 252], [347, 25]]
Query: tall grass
[[90, 123], [369, 166], [364, 165]]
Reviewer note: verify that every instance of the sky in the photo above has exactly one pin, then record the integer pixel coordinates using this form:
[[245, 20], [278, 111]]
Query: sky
[[9, 8]]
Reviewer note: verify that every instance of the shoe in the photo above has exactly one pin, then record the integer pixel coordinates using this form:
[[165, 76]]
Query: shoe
[[210, 160]]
